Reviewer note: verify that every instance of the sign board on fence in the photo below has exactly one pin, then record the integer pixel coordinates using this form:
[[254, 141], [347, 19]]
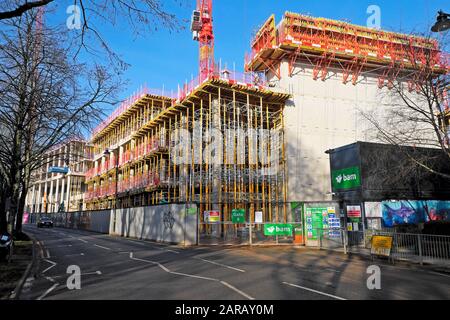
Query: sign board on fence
[[192, 211], [315, 219], [211, 216], [381, 246], [277, 229], [238, 215], [354, 211], [258, 217]]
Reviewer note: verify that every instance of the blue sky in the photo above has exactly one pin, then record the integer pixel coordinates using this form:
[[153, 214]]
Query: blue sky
[[163, 58]]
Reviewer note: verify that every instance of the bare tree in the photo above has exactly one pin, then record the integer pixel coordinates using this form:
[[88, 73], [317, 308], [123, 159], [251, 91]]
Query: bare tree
[[138, 16], [45, 97], [417, 98]]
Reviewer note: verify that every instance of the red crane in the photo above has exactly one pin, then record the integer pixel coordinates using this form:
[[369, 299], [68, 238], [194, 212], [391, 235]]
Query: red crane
[[202, 31]]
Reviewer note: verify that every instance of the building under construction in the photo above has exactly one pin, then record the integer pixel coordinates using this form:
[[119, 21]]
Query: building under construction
[[319, 73], [336, 72], [134, 161]]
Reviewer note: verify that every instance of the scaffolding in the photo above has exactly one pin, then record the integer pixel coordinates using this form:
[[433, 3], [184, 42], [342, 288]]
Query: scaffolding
[[139, 168], [324, 43]]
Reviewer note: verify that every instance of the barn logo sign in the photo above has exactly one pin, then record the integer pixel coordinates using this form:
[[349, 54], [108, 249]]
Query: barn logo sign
[[348, 178]]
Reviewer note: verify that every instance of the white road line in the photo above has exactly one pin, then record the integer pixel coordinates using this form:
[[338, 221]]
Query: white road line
[[222, 265], [64, 245], [82, 240], [53, 287], [439, 274], [98, 272], [194, 276], [164, 249], [152, 245], [47, 252], [75, 254], [237, 290], [52, 265], [315, 291], [152, 262], [140, 243], [102, 247]]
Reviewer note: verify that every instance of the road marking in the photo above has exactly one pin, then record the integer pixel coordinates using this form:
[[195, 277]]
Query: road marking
[[52, 265], [53, 287], [193, 276], [50, 279], [98, 272], [439, 274], [315, 291], [222, 265], [237, 290], [64, 245], [47, 252], [152, 246], [75, 254], [102, 247], [140, 243], [164, 249], [82, 240], [152, 262]]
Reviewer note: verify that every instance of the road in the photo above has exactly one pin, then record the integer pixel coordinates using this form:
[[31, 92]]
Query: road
[[120, 268]]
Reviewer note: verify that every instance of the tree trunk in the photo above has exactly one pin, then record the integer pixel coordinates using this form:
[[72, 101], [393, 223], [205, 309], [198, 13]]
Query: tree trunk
[[21, 206], [3, 225]]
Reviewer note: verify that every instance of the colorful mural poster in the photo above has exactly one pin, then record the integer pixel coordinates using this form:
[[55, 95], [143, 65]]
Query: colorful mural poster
[[414, 212]]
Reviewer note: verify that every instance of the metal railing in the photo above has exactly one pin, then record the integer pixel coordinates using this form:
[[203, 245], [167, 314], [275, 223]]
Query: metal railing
[[419, 248]]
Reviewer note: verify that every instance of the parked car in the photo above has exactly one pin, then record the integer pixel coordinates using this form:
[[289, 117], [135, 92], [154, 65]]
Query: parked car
[[6, 247], [45, 222]]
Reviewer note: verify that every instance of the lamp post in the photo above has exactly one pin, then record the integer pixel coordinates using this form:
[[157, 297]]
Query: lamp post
[[442, 22]]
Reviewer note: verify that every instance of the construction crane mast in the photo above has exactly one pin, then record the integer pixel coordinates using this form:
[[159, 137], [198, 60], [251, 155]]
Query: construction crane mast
[[202, 31]]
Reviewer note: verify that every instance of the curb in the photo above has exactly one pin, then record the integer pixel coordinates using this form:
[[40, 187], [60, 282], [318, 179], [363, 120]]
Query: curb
[[18, 289]]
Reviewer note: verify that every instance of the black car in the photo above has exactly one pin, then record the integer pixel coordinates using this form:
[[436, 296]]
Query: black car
[[45, 222]]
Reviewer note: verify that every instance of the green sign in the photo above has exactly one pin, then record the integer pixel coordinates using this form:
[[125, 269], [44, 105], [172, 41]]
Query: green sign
[[192, 211], [348, 178], [278, 229], [238, 215]]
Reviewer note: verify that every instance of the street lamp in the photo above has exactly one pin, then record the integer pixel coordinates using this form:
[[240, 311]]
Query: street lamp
[[442, 22]]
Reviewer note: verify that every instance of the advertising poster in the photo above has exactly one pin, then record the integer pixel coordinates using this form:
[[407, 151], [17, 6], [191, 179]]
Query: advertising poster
[[414, 212]]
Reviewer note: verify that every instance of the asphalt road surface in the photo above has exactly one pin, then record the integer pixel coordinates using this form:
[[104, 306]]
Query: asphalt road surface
[[120, 268]]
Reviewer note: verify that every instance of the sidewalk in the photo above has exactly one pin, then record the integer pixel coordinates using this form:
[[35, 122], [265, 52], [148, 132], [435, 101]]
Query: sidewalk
[[11, 273]]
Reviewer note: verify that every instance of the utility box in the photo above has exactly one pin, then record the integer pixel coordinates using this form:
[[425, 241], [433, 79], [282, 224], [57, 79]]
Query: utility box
[[365, 171]]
